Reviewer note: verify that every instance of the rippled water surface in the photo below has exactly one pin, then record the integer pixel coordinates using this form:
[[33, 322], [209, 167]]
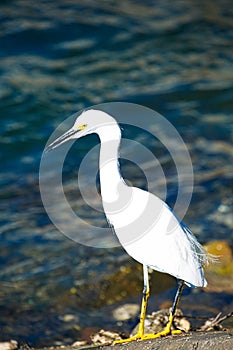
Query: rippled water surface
[[58, 57]]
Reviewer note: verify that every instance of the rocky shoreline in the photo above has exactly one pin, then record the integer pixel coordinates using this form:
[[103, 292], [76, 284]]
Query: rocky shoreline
[[216, 340]]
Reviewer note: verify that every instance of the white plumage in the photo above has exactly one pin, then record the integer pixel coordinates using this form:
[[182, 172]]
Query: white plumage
[[146, 227]]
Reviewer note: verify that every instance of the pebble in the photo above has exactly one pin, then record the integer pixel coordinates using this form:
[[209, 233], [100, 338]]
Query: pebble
[[9, 345], [125, 312]]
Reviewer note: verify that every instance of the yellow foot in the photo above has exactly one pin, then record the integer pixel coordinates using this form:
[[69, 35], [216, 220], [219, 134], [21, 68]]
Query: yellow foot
[[134, 337], [163, 333]]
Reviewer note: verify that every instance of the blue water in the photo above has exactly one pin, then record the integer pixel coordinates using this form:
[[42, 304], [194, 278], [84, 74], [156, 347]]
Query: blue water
[[57, 58]]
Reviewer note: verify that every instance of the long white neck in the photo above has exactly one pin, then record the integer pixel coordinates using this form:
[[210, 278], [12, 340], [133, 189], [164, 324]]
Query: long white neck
[[110, 177]]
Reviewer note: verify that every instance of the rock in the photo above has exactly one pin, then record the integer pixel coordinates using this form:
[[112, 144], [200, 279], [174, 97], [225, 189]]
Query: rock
[[9, 345], [125, 312], [79, 343], [219, 273], [156, 322], [69, 318], [104, 337], [201, 341], [189, 341]]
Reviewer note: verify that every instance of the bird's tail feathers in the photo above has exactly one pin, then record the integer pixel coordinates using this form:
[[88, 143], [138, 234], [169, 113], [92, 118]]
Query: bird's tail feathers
[[204, 257]]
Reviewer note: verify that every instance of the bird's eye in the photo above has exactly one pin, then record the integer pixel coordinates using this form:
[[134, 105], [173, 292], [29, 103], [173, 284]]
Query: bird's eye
[[82, 127]]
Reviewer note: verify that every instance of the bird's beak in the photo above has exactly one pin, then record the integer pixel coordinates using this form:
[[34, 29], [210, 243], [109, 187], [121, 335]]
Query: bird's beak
[[65, 137]]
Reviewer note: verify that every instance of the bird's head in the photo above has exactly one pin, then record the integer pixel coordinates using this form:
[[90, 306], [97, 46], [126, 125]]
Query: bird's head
[[90, 121]]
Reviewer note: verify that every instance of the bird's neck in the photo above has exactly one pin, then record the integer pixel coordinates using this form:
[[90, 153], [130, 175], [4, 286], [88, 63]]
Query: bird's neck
[[110, 177]]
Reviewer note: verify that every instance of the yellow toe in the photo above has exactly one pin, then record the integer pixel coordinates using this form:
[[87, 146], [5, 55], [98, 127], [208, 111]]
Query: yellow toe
[[163, 333], [127, 340]]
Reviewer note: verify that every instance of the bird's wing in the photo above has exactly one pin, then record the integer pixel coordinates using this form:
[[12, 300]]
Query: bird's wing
[[157, 238]]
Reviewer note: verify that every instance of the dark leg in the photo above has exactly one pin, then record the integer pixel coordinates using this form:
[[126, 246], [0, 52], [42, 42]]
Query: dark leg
[[177, 296]]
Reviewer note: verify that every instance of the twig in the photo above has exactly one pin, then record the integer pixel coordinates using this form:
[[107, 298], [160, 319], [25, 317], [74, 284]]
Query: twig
[[213, 323]]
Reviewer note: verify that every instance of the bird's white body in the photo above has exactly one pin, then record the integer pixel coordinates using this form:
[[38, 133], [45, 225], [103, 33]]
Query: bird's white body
[[145, 226], [169, 247]]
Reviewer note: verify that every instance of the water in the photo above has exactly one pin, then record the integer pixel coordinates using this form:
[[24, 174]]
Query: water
[[59, 57]]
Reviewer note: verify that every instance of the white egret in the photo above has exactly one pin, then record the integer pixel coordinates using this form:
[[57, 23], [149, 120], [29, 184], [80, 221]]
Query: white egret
[[146, 227]]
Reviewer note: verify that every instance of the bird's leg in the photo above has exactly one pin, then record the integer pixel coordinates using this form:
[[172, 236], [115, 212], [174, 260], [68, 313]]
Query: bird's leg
[[145, 296], [174, 306], [146, 293], [167, 330]]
